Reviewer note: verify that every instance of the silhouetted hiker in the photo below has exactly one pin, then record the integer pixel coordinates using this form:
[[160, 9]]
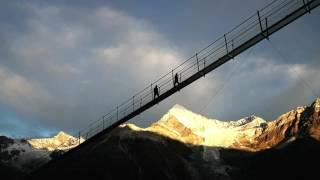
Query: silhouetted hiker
[[176, 80], [155, 92]]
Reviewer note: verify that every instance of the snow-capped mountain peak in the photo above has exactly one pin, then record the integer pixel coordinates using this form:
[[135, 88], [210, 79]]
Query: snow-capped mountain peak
[[196, 121], [250, 133], [61, 141], [184, 125], [21, 153], [186, 117]]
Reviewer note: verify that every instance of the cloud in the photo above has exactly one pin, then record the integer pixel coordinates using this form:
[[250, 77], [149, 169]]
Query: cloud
[[66, 70], [63, 65], [19, 92], [138, 46], [266, 88]]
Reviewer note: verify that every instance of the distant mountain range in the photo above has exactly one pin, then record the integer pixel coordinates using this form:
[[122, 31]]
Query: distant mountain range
[[25, 155], [186, 145], [251, 133]]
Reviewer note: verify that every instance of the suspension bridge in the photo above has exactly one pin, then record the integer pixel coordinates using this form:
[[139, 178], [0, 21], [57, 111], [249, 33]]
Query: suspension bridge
[[256, 28]]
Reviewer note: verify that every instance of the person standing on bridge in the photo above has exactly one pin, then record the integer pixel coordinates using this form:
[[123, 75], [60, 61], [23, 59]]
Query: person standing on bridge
[[155, 92], [176, 80]]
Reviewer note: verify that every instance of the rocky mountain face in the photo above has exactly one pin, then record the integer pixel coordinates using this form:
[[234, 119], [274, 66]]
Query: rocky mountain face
[[186, 145], [251, 133], [61, 141], [24, 155], [301, 122], [191, 128]]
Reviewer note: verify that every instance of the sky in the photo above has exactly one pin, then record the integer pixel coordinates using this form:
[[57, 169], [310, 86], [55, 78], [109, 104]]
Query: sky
[[63, 64]]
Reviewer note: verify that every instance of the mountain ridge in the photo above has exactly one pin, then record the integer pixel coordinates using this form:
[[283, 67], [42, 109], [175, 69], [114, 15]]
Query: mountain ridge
[[61, 141], [251, 133], [27, 154], [172, 148]]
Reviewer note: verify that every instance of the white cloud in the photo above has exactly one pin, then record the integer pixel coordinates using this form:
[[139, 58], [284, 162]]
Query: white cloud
[[73, 65], [21, 93], [259, 82], [68, 69], [137, 45]]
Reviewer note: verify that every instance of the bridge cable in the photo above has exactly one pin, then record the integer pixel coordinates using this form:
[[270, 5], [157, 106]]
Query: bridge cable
[[282, 56], [223, 85]]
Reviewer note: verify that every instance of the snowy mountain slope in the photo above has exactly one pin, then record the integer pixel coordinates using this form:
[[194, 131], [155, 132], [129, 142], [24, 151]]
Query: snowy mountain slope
[[25, 155], [61, 141], [251, 133], [188, 127]]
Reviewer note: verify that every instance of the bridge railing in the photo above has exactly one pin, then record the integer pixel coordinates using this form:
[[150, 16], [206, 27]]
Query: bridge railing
[[254, 25]]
